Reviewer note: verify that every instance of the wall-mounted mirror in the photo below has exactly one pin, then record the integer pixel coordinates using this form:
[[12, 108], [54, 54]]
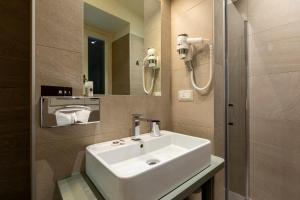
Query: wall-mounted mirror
[[122, 46]]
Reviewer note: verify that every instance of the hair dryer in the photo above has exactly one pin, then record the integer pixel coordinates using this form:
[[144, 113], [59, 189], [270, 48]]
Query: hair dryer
[[185, 49]]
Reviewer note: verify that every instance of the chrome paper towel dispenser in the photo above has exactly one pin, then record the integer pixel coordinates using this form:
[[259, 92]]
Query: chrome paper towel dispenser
[[69, 110]]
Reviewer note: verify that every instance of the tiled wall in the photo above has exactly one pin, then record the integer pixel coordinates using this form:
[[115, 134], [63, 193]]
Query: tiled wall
[[60, 151], [204, 117], [194, 17], [274, 75], [15, 99]]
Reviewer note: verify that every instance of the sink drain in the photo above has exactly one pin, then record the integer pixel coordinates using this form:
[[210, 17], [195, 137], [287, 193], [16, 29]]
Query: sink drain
[[152, 162]]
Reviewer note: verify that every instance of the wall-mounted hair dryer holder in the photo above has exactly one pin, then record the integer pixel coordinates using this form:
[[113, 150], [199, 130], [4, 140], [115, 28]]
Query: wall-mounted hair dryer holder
[[151, 63], [185, 43], [186, 49]]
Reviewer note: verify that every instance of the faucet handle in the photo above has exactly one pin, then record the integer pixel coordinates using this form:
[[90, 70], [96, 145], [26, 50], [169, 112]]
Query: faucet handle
[[135, 115], [155, 128], [156, 122]]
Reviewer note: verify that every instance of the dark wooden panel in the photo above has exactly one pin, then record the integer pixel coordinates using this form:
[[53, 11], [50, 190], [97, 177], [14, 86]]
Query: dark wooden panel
[[15, 29], [14, 73], [15, 189], [17, 141], [15, 99]]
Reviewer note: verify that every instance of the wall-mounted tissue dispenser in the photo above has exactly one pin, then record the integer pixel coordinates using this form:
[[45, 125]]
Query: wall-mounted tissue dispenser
[[66, 111]]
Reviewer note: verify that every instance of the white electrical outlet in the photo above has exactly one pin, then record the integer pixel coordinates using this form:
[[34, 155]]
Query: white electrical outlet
[[185, 95]]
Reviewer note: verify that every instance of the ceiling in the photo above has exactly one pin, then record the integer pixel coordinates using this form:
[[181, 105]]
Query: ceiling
[[103, 20], [135, 6]]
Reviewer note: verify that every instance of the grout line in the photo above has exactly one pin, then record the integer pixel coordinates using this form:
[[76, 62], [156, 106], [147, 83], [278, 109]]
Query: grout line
[[274, 40], [273, 74], [272, 119], [270, 28], [186, 10], [271, 146], [201, 1], [57, 48]]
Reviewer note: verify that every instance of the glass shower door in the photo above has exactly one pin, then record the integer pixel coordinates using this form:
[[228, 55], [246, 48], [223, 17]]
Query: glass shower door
[[236, 98]]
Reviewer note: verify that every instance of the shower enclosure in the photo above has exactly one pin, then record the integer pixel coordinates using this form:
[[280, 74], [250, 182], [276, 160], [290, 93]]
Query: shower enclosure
[[236, 131], [262, 99]]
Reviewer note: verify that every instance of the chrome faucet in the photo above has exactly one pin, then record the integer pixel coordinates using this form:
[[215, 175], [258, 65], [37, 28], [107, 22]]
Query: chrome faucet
[[136, 128]]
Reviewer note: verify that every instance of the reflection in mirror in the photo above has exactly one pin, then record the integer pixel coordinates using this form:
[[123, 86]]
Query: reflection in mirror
[[122, 45]]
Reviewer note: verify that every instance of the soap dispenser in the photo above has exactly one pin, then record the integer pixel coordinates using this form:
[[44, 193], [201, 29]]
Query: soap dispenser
[[88, 87], [83, 88]]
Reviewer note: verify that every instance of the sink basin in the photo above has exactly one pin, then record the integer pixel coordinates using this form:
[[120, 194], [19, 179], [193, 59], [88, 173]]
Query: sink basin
[[146, 169]]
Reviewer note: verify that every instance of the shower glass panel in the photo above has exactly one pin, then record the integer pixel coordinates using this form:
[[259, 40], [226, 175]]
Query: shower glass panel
[[236, 98]]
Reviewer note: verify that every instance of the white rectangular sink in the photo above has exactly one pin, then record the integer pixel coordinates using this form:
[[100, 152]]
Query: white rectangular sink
[[146, 169]]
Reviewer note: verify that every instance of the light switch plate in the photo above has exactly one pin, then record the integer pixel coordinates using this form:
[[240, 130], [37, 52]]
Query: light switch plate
[[157, 94], [185, 95]]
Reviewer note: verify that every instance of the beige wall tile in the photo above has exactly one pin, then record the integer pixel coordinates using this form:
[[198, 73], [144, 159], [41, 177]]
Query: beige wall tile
[[193, 129], [280, 134], [294, 11], [192, 118], [201, 109], [274, 110], [275, 50], [219, 193], [59, 24], [181, 6], [64, 133], [275, 96], [58, 67], [197, 21], [267, 14], [274, 173]]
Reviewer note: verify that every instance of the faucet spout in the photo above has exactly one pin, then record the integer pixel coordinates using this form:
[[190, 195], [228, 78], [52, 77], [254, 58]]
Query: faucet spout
[[136, 127]]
